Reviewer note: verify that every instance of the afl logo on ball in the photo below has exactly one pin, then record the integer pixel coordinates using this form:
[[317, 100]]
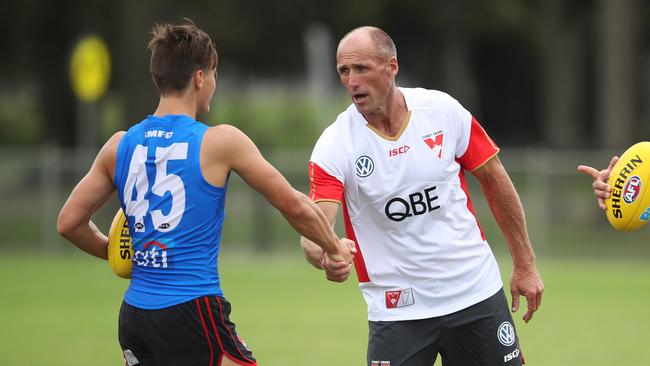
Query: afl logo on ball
[[632, 189], [364, 166], [506, 334]]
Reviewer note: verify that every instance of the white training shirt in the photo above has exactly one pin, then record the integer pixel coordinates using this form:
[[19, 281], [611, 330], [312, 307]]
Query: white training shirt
[[421, 252]]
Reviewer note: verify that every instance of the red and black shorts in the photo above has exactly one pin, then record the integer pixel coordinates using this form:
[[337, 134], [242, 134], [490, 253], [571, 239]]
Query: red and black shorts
[[197, 332]]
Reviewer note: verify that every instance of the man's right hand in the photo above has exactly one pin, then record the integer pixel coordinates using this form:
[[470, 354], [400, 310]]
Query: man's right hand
[[338, 266], [600, 186]]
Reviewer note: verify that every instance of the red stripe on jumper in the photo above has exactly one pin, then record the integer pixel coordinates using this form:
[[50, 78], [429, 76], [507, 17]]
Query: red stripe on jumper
[[359, 262], [470, 207]]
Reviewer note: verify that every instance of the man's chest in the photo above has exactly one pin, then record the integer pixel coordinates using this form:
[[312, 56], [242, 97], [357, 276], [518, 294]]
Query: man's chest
[[424, 153]]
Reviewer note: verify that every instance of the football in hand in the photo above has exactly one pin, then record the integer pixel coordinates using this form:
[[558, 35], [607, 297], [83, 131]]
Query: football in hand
[[120, 249], [628, 206]]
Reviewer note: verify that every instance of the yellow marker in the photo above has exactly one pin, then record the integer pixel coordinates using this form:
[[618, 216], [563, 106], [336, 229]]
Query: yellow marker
[[90, 69]]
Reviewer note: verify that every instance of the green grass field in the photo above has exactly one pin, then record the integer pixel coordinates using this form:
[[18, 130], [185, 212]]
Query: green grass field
[[62, 310]]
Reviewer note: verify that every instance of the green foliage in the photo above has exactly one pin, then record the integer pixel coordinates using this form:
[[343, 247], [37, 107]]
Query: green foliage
[[281, 117], [20, 117]]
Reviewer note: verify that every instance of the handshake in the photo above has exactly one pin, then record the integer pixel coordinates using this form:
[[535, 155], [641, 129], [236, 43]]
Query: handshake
[[337, 266]]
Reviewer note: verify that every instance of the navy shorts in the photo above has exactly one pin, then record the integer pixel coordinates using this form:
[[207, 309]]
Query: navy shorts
[[480, 335], [197, 332]]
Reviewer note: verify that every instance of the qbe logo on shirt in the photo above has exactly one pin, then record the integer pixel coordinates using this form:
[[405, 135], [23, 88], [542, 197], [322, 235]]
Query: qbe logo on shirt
[[364, 166]]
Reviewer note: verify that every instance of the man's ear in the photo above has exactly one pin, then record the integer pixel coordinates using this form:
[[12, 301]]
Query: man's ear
[[393, 66], [198, 79]]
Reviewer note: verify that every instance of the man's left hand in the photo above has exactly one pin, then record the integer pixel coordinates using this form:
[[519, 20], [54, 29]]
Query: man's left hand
[[526, 282]]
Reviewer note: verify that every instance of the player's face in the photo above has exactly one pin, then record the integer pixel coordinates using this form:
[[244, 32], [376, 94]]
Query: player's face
[[366, 76], [207, 91]]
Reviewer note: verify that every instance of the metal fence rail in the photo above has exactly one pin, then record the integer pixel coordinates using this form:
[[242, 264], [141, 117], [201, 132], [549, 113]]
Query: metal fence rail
[[562, 216]]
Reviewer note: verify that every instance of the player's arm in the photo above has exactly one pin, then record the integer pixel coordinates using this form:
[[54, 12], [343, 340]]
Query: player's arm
[[94, 189], [334, 271], [508, 212], [600, 177], [243, 157], [313, 253]]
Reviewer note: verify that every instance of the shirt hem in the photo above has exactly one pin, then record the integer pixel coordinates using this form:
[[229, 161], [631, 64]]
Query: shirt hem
[[433, 313], [167, 304]]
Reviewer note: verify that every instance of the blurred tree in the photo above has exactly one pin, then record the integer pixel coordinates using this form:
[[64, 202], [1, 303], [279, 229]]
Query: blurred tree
[[525, 67], [617, 20], [132, 26]]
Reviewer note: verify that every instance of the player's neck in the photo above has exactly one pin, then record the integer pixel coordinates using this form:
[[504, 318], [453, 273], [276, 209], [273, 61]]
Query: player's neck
[[176, 104], [390, 119]]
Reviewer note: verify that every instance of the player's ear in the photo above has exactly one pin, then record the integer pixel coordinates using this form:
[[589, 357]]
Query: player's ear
[[197, 79], [393, 66]]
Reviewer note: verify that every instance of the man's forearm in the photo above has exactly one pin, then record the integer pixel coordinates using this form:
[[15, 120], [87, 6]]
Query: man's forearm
[[313, 253], [509, 214], [312, 223], [89, 239]]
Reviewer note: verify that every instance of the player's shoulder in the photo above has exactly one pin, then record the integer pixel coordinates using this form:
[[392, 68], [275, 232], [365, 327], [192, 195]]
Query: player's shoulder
[[333, 136], [107, 156], [113, 142], [224, 130], [225, 137], [117, 137], [345, 123], [421, 98], [334, 142], [225, 133]]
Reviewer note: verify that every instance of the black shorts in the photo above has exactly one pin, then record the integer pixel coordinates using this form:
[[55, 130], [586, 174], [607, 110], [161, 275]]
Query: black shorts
[[482, 335], [197, 332]]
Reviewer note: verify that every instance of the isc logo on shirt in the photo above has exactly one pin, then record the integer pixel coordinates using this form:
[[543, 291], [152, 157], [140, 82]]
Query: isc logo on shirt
[[398, 151], [399, 298]]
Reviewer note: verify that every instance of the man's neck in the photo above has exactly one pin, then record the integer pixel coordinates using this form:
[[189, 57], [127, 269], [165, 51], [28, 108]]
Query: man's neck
[[175, 104], [390, 120]]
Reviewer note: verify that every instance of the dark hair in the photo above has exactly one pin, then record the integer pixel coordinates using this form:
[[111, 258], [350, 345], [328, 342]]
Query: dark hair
[[177, 51]]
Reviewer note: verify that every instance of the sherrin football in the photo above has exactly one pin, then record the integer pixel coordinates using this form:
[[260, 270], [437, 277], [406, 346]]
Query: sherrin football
[[120, 249], [628, 206]]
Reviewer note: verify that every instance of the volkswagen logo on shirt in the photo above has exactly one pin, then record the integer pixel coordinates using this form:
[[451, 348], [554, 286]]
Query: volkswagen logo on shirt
[[364, 166], [506, 334]]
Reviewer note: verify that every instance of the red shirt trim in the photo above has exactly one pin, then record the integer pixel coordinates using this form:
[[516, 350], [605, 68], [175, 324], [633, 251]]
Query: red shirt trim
[[480, 149], [323, 186]]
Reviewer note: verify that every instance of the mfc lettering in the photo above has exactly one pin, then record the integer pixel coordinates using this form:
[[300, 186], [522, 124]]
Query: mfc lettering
[[158, 133], [418, 203]]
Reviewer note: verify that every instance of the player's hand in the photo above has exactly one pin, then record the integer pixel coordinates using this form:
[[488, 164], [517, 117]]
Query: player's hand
[[600, 177], [345, 251], [528, 283], [338, 267]]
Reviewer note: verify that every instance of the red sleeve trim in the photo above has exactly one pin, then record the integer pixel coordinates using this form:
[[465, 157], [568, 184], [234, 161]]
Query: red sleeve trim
[[323, 186], [480, 148], [359, 261]]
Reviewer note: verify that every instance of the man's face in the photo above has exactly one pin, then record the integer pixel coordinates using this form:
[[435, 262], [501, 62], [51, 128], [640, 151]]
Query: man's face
[[367, 77]]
